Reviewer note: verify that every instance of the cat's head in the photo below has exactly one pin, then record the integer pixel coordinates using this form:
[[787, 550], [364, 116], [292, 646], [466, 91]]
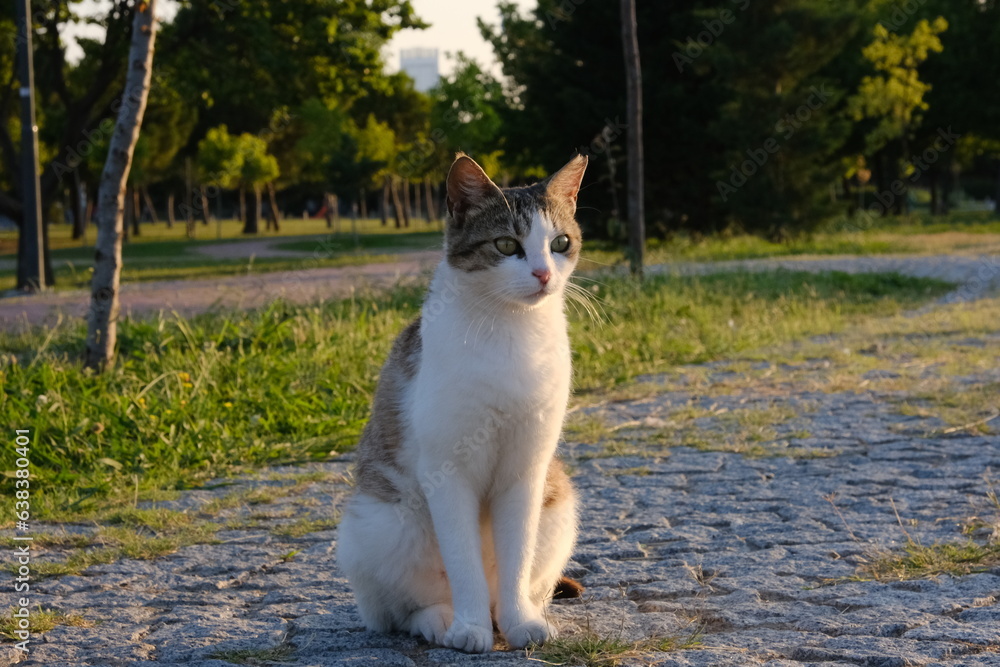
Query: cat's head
[[517, 245]]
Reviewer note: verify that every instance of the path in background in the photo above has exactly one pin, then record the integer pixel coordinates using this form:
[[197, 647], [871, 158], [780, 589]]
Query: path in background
[[975, 276], [197, 296]]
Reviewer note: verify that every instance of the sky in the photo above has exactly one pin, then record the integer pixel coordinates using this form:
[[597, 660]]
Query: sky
[[453, 28]]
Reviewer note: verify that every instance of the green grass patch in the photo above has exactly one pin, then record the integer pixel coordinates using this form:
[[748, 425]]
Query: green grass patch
[[190, 400], [589, 649], [916, 561], [40, 621], [257, 656]]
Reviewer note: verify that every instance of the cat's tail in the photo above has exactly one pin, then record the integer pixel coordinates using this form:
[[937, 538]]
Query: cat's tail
[[567, 588]]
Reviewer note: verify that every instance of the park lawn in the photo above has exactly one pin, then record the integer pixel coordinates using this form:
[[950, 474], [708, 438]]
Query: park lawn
[[147, 260], [191, 399], [60, 236], [162, 254]]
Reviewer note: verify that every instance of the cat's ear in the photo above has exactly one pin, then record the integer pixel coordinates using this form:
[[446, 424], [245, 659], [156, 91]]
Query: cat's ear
[[565, 183], [468, 184]]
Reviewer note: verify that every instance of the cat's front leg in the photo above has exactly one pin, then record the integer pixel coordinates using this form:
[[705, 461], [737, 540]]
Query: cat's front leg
[[516, 513], [455, 512]]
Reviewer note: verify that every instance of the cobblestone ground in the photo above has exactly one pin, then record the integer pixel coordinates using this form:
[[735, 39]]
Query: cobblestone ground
[[738, 525]]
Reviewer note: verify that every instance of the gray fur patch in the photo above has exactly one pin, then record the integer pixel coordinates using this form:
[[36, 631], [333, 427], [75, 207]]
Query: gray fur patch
[[384, 433]]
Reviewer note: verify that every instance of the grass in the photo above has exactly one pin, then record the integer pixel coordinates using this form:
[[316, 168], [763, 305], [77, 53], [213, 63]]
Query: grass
[[178, 259], [257, 656], [917, 561], [40, 621], [133, 533], [589, 649], [162, 254], [194, 399], [968, 231]]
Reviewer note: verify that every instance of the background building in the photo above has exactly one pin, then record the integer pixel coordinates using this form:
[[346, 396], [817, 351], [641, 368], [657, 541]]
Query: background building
[[422, 66]]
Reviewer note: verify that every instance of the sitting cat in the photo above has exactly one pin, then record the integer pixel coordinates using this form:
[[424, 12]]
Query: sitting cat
[[461, 514]]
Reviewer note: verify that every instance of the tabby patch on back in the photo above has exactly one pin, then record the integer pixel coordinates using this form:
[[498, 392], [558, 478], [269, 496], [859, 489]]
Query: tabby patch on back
[[462, 517]]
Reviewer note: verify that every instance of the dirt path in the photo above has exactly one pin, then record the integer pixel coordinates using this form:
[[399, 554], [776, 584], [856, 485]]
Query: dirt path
[[975, 275], [261, 249], [198, 296]]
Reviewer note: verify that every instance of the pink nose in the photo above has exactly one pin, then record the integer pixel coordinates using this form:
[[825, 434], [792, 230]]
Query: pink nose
[[543, 275]]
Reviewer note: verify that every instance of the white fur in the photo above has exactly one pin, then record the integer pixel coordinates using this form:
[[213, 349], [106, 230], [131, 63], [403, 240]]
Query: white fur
[[483, 416]]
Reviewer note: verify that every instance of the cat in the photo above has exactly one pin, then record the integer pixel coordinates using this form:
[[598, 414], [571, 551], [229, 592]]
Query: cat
[[461, 515]]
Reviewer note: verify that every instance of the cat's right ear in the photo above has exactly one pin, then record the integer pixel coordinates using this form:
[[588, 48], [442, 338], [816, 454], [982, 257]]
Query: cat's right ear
[[468, 185]]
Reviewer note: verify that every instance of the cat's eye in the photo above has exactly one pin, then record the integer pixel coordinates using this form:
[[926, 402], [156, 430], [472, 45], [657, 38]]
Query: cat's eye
[[507, 245], [560, 243]]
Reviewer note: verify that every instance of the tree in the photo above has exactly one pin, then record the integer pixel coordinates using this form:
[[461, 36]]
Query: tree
[[103, 316], [257, 168], [220, 162], [895, 97], [74, 102], [633, 78]]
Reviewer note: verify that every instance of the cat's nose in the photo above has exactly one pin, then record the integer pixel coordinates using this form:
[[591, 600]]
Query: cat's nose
[[543, 275]]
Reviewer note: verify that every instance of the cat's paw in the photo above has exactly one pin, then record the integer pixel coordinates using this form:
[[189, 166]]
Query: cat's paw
[[468, 637], [431, 623], [531, 631]]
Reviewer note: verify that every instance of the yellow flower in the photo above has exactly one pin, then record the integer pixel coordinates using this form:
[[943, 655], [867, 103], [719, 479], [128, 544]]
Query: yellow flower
[[184, 377], [227, 404], [141, 401], [188, 385]]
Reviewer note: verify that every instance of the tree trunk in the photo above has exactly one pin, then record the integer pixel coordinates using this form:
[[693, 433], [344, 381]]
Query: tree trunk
[[328, 214], [363, 206], [386, 186], [272, 199], [935, 178], [404, 183], [633, 79], [170, 211], [149, 205], [136, 212], [418, 204], [203, 194], [251, 213], [429, 197], [243, 208], [127, 215], [397, 205], [79, 222], [996, 194], [102, 320]]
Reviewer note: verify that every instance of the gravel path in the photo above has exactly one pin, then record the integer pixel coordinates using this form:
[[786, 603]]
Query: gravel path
[[757, 555], [975, 275], [754, 553], [189, 297]]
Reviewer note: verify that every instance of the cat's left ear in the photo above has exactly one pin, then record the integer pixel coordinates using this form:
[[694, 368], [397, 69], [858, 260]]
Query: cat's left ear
[[565, 183]]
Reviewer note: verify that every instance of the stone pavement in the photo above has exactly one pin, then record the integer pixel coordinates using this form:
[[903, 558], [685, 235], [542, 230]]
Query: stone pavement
[[755, 554], [739, 559]]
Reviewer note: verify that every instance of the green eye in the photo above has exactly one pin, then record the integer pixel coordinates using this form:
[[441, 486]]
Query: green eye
[[507, 245], [560, 243]]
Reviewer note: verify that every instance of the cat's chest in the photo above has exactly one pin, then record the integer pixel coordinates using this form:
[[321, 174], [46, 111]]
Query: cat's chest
[[507, 364]]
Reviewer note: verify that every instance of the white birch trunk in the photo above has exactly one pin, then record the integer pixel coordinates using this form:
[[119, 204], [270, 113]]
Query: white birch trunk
[[102, 318]]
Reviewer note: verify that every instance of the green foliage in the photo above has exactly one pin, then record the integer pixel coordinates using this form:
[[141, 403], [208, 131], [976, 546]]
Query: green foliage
[[257, 167], [896, 95], [219, 158], [229, 161]]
